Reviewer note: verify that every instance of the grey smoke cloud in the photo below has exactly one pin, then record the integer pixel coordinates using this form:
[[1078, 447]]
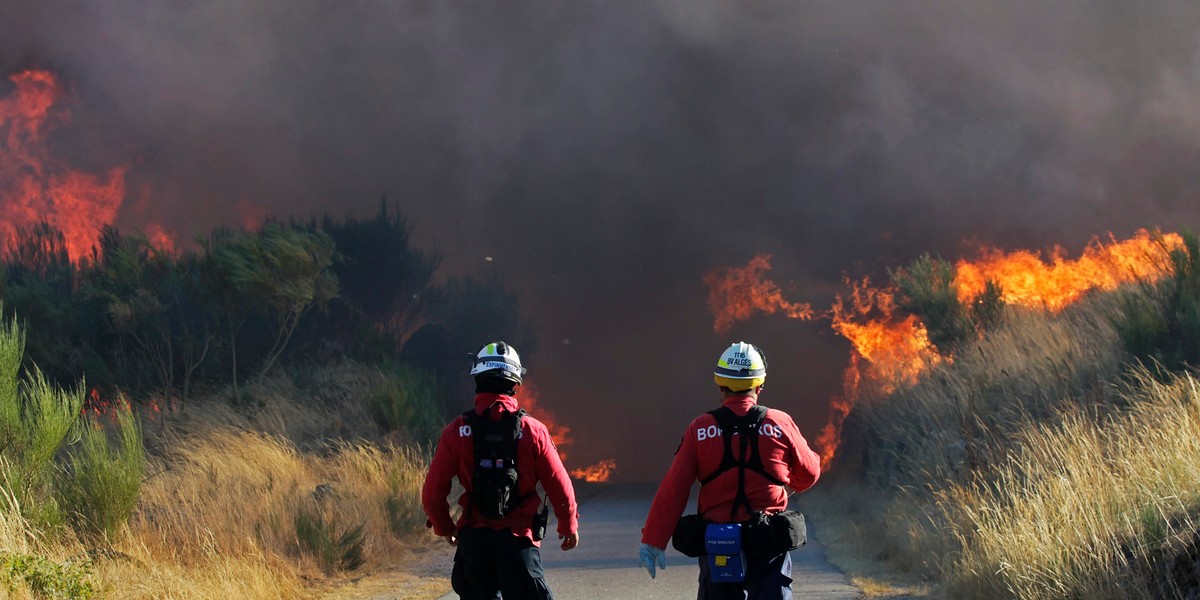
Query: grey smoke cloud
[[608, 154]]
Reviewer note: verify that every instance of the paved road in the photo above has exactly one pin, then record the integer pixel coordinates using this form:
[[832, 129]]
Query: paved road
[[604, 566]]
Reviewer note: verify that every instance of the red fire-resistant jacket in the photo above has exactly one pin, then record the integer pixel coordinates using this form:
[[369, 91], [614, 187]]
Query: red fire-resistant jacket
[[537, 461], [785, 455]]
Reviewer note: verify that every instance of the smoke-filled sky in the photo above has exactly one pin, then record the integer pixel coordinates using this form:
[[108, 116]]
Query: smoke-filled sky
[[608, 154]]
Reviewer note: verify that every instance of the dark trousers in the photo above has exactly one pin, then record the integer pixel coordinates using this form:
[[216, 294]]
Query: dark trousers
[[491, 564], [765, 580]]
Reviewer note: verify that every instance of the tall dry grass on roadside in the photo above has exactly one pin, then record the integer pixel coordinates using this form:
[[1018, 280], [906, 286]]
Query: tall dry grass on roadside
[[220, 515], [229, 510], [1086, 508], [962, 419], [1036, 464], [961, 415]]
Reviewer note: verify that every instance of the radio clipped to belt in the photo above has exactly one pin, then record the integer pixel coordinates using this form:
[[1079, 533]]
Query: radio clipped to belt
[[540, 521], [726, 552]]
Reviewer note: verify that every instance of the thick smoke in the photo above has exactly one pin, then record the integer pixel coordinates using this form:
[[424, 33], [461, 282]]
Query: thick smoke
[[605, 155]]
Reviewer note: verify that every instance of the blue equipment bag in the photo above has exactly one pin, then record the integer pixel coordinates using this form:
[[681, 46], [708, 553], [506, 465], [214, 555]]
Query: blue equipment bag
[[726, 554]]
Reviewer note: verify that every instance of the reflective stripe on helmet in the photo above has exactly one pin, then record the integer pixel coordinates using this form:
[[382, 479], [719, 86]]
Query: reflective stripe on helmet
[[498, 358], [742, 373]]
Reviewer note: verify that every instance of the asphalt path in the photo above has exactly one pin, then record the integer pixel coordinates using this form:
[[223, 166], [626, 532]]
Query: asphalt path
[[605, 565]]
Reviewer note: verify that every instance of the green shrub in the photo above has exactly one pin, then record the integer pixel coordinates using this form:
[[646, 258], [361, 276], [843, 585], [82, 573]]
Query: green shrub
[[103, 479], [402, 518], [1160, 321], [407, 400], [45, 578], [36, 419], [403, 506], [318, 533], [98, 486], [988, 307], [926, 289]]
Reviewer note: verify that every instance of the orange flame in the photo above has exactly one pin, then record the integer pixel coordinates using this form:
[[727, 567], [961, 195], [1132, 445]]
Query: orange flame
[[896, 348], [1027, 280], [561, 434], [737, 294], [527, 396], [159, 239], [36, 187], [839, 408], [597, 473]]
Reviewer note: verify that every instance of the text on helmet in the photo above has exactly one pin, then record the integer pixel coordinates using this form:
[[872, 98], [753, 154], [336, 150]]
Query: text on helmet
[[740, 359], [491, 364]]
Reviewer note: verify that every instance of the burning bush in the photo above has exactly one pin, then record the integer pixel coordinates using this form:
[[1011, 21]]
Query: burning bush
[[1159, 321], [927, 289]]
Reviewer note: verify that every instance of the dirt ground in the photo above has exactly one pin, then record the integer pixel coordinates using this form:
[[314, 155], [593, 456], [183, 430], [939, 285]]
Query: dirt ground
[[425, 575]]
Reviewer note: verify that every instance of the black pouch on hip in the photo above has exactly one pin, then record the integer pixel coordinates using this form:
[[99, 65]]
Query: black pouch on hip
[[688, 538], [788, 530]]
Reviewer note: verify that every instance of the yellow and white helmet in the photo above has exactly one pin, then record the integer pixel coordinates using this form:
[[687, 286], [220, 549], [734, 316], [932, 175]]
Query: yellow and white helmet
[[500, 360], [741, 367]]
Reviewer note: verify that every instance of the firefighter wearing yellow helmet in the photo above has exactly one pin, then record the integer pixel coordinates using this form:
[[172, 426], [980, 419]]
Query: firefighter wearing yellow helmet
[[743, 532], [741, 367]]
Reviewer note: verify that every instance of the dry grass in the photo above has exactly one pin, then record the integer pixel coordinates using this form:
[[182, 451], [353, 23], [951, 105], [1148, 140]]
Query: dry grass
[[1025, 470], [18, 538], [960, 416], [1088, 509], [217, 514]]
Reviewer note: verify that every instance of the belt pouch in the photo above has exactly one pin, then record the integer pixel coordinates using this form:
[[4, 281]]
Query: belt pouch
[[788, 530], [688, 538]]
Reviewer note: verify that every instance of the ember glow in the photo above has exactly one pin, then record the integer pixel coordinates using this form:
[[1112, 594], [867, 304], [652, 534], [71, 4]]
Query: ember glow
[[35, 185], [891, 349]]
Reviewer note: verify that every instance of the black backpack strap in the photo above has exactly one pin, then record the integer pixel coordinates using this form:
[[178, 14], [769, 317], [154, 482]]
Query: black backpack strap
[[746, 427]]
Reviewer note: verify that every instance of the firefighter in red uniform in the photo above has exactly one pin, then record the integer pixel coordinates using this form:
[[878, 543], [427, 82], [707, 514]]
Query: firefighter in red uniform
[[738, 484], [498, 535]]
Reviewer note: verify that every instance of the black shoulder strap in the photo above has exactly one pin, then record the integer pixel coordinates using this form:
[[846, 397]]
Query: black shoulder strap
[[472, 417], [486, 432], [746, 427]]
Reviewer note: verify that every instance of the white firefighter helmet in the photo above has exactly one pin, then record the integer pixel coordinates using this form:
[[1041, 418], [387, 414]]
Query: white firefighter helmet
[[500, 360], [741, 367]]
